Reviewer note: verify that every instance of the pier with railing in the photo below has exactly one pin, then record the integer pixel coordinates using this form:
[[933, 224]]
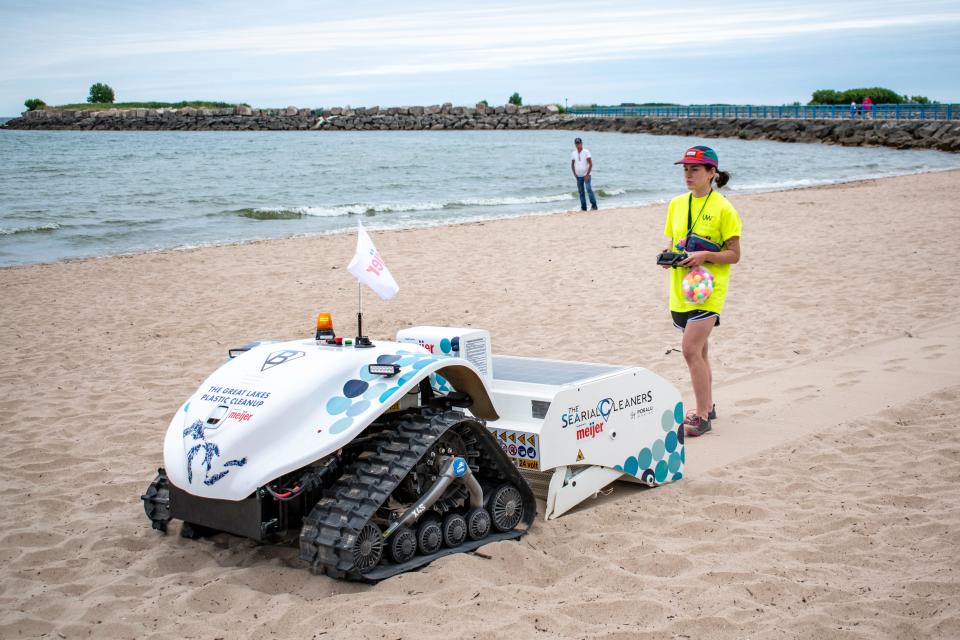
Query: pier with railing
[[947, 111]]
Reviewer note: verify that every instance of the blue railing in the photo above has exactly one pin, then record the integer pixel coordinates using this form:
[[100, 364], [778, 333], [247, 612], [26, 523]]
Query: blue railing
[[819, 111]]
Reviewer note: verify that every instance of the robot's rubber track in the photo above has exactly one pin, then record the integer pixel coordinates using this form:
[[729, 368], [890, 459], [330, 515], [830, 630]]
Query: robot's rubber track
[[330, 530]]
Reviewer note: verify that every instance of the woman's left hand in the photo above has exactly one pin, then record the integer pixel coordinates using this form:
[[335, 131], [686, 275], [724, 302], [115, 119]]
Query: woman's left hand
[[695, 259]]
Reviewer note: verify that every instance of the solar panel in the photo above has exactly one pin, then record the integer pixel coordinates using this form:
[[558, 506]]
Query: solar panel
[[553, 372]]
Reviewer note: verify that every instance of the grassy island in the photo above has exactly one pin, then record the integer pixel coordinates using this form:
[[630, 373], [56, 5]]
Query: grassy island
[[101, 106]]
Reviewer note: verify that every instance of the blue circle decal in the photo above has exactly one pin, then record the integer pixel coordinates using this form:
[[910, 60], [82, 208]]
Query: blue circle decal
[[445, 345], [358, 408], [674, 463], [354, 388], [666, 420], [660, 473], [375, 391], [389, 392], [341, 425], [387, 359], [337, 404], [645, 458], [658, 449], [678, 413], [630, 466], [670, 442]]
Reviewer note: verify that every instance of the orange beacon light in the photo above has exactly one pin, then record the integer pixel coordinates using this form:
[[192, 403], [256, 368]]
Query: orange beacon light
[[325, 327]]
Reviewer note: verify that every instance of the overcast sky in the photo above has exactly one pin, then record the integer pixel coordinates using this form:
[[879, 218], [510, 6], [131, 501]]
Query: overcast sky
[[365, 53]]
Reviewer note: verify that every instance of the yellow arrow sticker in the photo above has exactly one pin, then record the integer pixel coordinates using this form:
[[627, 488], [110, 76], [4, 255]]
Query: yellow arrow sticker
[[530, 438], [523, 439], [513, 437], [579, 455], [503, 436]]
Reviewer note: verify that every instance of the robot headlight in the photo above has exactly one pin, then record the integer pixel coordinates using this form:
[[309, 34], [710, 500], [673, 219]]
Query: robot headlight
[[386, 370]]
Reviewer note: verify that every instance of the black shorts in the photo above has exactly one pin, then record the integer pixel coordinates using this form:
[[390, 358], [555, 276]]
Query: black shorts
[[681, 318]]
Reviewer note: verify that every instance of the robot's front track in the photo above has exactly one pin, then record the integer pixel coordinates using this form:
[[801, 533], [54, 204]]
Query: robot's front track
[[343, 535]]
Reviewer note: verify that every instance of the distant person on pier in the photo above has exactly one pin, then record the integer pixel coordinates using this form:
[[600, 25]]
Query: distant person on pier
[[867, 106], [853, 109], [581, 163]]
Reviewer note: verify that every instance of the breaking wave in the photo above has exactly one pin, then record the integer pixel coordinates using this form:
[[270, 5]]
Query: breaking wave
[[361, 208], [40, 228], [605, 193]]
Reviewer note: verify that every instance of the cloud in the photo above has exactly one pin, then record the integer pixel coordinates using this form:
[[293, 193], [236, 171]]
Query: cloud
[[366, 47], [452, 39]]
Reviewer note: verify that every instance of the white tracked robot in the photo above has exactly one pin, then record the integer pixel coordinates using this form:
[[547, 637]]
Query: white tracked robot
[[382, 457]]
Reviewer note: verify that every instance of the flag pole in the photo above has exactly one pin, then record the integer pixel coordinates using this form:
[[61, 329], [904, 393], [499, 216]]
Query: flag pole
[[362, 341]]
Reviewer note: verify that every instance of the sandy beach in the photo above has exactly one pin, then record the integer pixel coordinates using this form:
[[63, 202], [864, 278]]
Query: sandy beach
[[825, 505]]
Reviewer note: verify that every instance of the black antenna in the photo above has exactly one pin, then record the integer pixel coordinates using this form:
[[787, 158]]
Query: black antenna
[[362, 341]]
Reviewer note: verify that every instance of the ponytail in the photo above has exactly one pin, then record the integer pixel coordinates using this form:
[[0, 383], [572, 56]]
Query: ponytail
[[722, 178]]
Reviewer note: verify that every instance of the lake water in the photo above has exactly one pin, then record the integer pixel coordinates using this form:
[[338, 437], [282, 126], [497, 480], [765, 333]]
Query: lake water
[[70, 194]]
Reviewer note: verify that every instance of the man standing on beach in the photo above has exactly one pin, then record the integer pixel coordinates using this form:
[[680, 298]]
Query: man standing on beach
[[581, 163]]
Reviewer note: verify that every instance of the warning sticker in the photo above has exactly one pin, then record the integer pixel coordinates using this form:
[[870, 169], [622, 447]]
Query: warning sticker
[[519, 446]]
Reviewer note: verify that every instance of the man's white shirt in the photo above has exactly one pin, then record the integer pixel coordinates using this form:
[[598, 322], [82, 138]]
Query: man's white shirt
[[580, 165]]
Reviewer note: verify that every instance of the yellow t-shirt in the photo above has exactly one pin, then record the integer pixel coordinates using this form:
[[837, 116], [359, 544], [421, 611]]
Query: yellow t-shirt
[[718, 223]]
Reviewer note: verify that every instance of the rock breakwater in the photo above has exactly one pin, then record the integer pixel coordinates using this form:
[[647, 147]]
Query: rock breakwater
[[242, 118], [899, 134]]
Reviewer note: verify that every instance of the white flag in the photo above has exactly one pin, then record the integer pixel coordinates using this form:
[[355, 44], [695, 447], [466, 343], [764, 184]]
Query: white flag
[[368, 267]]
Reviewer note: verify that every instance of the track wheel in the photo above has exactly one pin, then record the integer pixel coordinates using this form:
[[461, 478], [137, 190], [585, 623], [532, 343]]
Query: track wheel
[[403, 545], [506, 507], [429, 536], [367, 548], [454, 529], [478, 523]]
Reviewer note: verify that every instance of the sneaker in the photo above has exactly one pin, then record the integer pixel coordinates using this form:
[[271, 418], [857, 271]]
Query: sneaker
[[583, 208], [713, 413], [695, 426], [594, 207]]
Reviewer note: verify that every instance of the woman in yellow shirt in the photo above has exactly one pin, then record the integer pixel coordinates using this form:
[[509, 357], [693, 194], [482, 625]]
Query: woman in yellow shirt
[[706, 226]]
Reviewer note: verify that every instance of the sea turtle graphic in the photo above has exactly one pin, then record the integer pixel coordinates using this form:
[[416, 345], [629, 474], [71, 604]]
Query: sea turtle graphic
[[210, 452]]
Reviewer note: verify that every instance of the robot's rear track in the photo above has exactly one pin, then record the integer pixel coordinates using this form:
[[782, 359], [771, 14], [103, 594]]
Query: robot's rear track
[[330, 530]]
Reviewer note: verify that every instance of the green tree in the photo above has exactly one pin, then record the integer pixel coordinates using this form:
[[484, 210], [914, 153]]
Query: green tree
[[919, 99], [34, 103], [879, 95], [100, 93], [484, 103], [515, 99]]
